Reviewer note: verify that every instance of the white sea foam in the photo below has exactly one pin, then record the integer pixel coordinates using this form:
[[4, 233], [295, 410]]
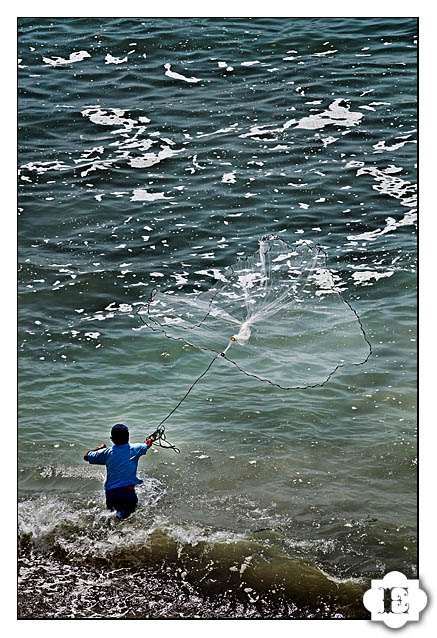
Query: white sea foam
[[142, 195], [108, 117], [336, 114], [354, 164], [220, 130], [224, 65], [381, 146], [257, 131], [178, 76], [197, 165], [180, 278], [322, 53], [289, 123], [229, 178], [296, 185], [76, 56], [364, 276], [391, 225], [213, 272], [328, 140], [150, 159], [109, 59], [42, 167], [390, 185]]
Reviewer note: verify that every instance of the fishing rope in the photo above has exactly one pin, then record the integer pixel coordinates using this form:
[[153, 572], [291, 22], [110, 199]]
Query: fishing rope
[[159, 437], [159, 433]]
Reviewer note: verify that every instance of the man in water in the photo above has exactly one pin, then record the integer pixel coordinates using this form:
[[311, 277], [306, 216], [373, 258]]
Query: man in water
[[121, 462]]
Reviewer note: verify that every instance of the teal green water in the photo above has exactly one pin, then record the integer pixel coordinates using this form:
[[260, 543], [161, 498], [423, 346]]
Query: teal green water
[[154, 153]]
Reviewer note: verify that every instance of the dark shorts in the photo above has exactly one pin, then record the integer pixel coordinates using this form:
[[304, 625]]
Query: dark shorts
[[122, 499]]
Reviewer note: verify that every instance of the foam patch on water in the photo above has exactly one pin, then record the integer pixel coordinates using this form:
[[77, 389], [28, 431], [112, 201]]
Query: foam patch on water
[[229, 178], [43, 167], [178, 76], [142, 195], [85, 528], [259, 132], [225, 65], [342, 581], [79, 472], [380, 147], [108, 117], [337, 114], [388, 184], [131, 146], [228, 129], [109, 59], [150, 159], [364, 277], [408, 219], [323, 53], [194, 534], [76, 56]]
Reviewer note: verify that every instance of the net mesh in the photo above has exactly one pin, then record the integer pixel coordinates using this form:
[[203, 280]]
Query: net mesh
[[276, 315]]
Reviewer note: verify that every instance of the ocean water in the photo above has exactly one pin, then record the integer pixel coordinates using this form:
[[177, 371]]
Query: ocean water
[[153, 153]]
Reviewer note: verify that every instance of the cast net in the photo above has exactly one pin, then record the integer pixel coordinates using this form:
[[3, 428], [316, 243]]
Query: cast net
[[276, 315]]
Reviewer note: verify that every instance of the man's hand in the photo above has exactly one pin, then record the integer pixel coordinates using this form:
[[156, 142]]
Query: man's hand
[[99, 447], [149, 441]]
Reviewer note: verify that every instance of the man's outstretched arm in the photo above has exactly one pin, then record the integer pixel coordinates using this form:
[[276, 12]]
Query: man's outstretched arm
[[100, 447]]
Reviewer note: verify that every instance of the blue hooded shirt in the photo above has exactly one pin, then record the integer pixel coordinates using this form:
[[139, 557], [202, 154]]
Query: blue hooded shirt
[[121, 463]]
